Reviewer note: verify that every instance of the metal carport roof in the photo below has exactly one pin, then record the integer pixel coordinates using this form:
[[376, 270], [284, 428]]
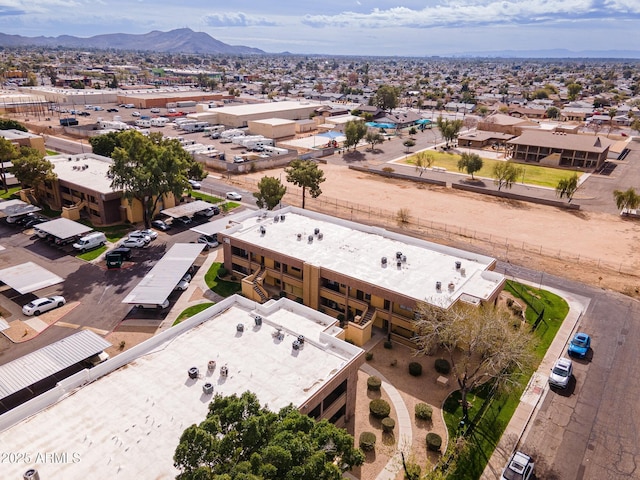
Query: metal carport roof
[[17, 207], [212, 227], [157, 285], [64, 228], [33, 367], [187, 208], [28, 277]]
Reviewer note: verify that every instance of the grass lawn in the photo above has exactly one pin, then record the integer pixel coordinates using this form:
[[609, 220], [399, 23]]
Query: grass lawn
[[113, 233], [223, 288], [92, 254], [12, 191], [226, 206], [191, 311], [498, 410], [533, 174]]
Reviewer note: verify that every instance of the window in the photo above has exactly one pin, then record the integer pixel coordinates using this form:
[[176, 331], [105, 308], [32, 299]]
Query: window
[[315, 413], [387, 304], [334, 395], [276, 265], [339, 414]]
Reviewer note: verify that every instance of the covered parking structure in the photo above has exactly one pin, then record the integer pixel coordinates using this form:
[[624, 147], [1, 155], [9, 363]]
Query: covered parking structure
[[63, 230], [157, 285], [187, 209], [28, 277], [12, 208], [39, 371]]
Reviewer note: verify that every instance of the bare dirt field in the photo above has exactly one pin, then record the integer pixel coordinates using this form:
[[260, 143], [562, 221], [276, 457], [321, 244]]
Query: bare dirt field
[[594, 248]]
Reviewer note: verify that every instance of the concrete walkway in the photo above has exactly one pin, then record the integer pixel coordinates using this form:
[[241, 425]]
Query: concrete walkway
[[538, 387], [405, 430]]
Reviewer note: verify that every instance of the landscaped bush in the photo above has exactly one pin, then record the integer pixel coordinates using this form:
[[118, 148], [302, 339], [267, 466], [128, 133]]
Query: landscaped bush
[[443, 366], [374, 383], [388, 424], [368, 356], [423, 411], [387, 344], [367, 441], [222, 272], [413, 470], [387, 169], [415, 369], [379, 408], [434, 442]]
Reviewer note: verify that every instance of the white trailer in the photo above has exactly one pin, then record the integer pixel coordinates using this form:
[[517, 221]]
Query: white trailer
[[159, 121], [213, 129], [111, 125], [275, 150], [143, 123], [194, 127], [234, 132], [253, 141]]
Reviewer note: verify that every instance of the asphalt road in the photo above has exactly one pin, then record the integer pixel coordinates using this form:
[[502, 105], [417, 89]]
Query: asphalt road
[[591, 430]]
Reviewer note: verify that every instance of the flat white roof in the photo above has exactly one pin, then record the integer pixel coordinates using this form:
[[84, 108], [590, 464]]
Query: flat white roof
[[157, 285], [187, 209], [17, 207], [274, 121], [28, 277], [254, 108], [128, 423], [85, 169], [64, 228], [356, 250], [49, 360]]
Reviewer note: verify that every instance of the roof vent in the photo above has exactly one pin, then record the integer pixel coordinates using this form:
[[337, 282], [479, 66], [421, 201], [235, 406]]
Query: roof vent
[[383, 261], [295, 345], [458, 265], [299, 236], [207, 388], [262, 230], [320, 236], [282, 217], [404, 259], [276, 219], [193, 372], [240, 327], [463, 272], [31, 474], [211, 366], [438, 286], [301, 339], [310, 238], [224, 371], [258, 320], [398, 255], [451, 286], [399, 264], [316, 231]]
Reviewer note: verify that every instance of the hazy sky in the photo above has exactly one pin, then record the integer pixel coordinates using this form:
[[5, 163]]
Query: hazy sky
[[347, 27]]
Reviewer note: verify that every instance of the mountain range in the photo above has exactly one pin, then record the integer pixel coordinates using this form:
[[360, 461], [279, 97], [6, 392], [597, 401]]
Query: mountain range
[[182, 40]]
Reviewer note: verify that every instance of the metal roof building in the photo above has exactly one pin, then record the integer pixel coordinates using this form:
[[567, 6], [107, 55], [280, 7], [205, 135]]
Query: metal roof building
[[157, 285], [64, 228], [187, 209]]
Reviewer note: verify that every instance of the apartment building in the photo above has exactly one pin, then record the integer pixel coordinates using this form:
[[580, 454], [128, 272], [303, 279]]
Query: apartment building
[[363, 276]]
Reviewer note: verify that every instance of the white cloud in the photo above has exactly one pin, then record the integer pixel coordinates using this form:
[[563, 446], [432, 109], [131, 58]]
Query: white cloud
[[236, 20]]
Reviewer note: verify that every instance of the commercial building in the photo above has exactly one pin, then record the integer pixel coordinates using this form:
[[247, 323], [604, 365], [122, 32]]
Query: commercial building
[[123, 418], [24, 139], [559, 149], [240, 115], [362, 275]]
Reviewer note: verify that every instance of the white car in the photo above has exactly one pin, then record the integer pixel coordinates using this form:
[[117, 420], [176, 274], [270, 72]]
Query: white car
[[183, 284], [520, 467], [135, 114], [44, 304], [152, 234], [133, 243], [234, 196], [140, 234], [195, 184], [561, 373]]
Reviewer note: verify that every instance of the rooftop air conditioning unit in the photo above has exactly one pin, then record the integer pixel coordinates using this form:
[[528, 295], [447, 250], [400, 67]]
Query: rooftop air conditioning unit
[[458, 265], [316, 231], [207, 388], [310, 238], [320, 236], [193, 372], [282, 217], [383, 261], [399, 263], [224, 371], [301, 339], [276, 219], [263, 230], [463, 272], [295, 345], [240, 327], [31, 474], [211, 366], [404, 259], [299, 236], [438, 286], [398, 255], [258, 320]]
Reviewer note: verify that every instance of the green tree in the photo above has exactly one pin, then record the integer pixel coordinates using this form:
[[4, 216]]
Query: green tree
[[470, 162], [626, 200], [6, 124], [573, 89], [8, 152], [354, 131], [105, 144], [240, 440], [552, 112], [449, 129], [32, 169], [386, 97], [481, 343], [373, 139], [424, 160], [307, 175], [635, 125], [146, 168], [408, 144], [567, 187], [270, 192], [505, 174]]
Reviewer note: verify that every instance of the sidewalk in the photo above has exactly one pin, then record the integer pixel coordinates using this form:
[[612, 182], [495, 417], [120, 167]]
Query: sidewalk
[[537, 389]]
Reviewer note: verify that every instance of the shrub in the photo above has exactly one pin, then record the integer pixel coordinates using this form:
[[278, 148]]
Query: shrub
[[368, 356], [415, 369], [434, 442], [379, 408], [222, 272], [423, 411], [443, 366], [388, 424], [374, 383], [509, 302], [413, 470], [388, 345], [387, 169], [367, 441]]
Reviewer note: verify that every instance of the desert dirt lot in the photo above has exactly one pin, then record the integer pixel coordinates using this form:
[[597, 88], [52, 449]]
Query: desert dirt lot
[[594, 248]]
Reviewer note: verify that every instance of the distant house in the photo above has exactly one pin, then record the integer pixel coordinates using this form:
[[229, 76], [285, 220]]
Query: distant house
[[500, 122], [401, 119]]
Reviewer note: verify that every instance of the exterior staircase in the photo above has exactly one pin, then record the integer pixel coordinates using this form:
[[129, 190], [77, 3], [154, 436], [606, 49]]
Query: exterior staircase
[[257, 285], [368, 316]]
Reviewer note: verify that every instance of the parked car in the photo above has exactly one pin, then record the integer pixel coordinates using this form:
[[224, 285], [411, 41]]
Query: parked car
[[22, 220], [155, 110], [160, 225], [211, 241], [234, 196], [135, 114], [84, 114], [90, 241], [151, 233], [35, 221], [208, 212], [112, 110], [44, 304], [124, 252], [579, 345], [561, 373], [140, 234], [184, 220], [195, 184], [519, 467], [183, 284], [155, 306], [133, 243]]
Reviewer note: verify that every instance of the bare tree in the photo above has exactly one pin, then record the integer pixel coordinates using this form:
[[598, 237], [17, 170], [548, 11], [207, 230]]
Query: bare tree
[[424, 160]]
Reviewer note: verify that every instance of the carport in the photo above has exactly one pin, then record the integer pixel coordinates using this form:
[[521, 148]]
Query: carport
[[63, 229], [187, 209], [17, 207], [157, 285], [28, 277], [214, 226], [31, 371]]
